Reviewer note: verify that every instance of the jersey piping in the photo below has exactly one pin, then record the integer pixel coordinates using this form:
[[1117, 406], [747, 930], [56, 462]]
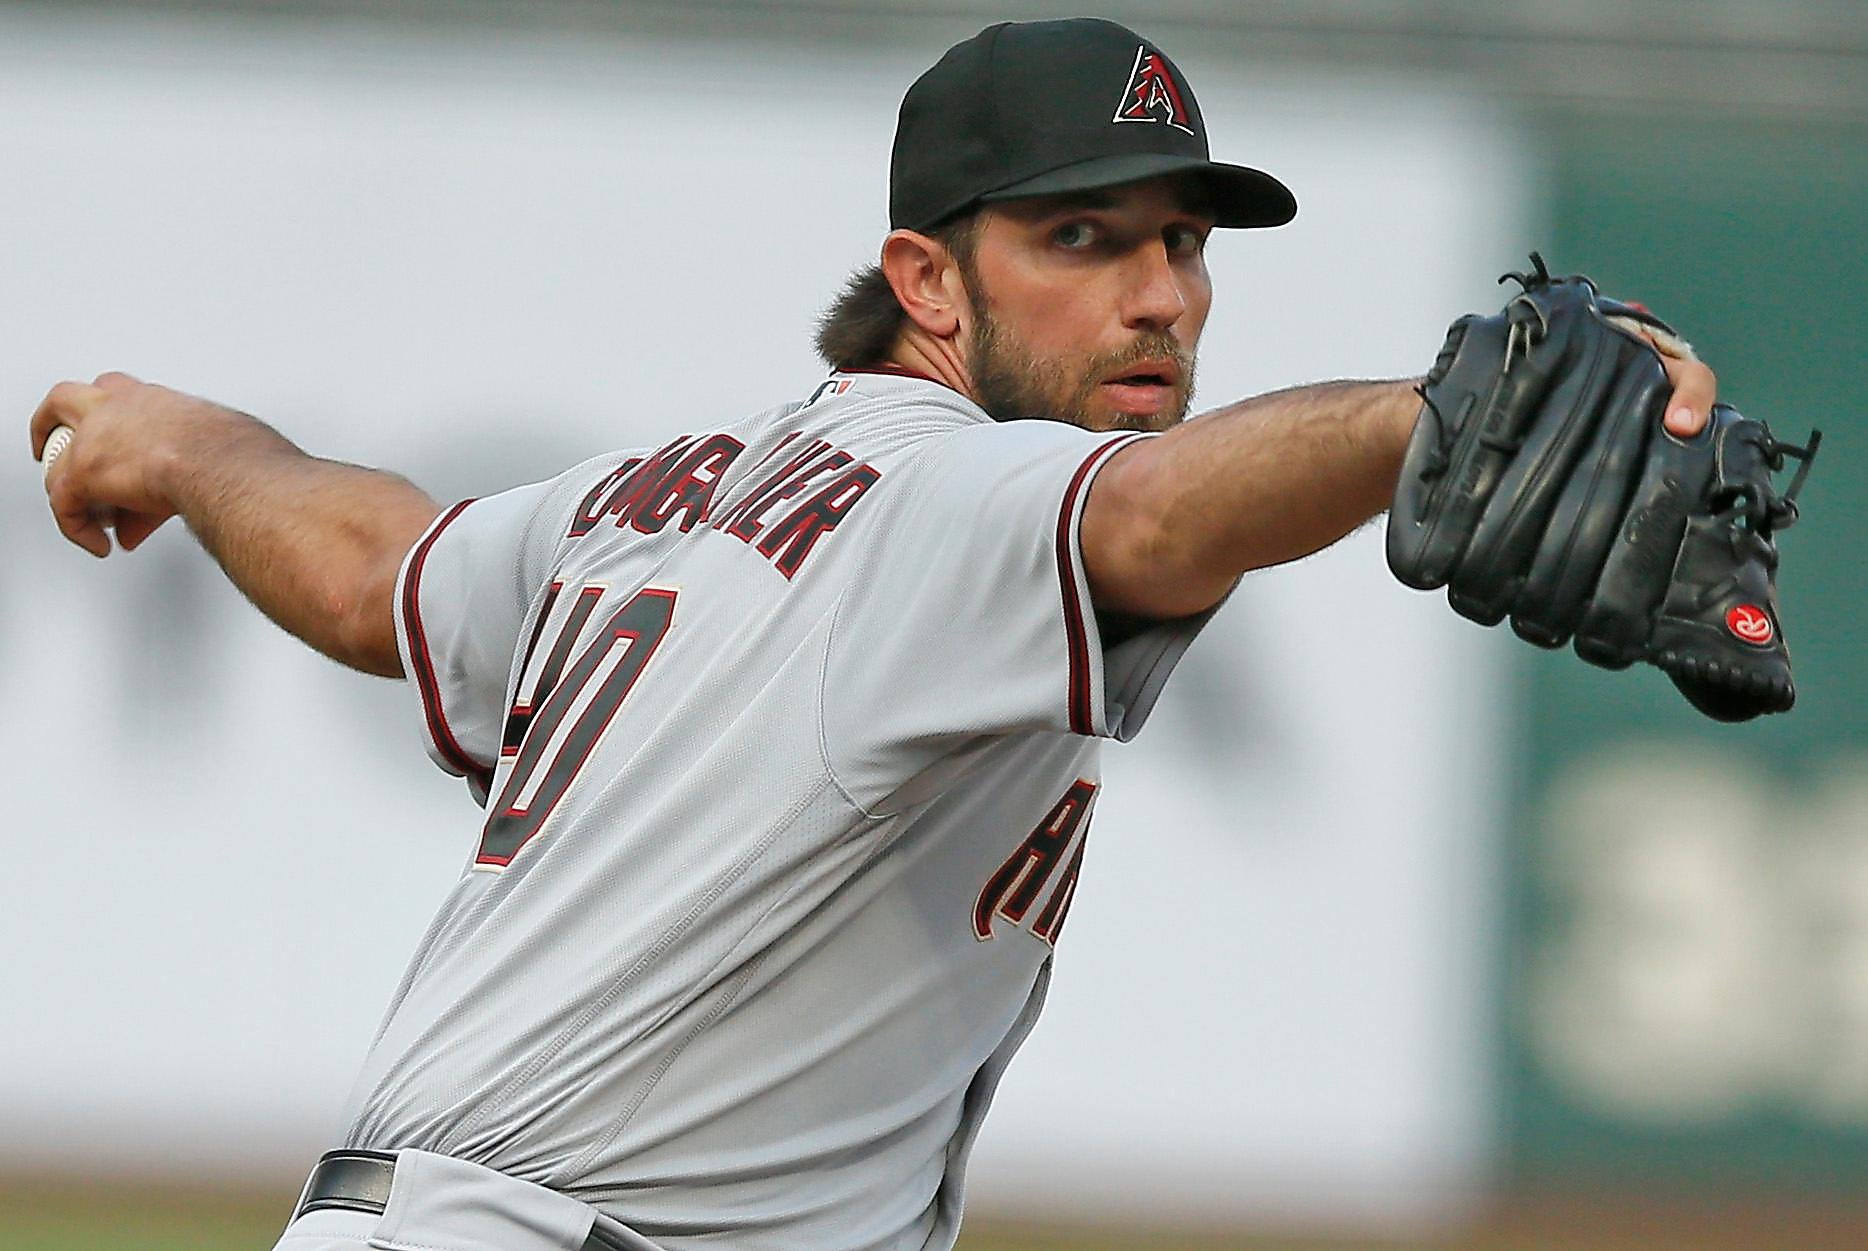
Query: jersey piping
[[440, 736], [1082, 699]]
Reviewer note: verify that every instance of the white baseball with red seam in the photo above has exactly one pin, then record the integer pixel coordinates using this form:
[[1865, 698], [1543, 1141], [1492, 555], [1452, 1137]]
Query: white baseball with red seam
[[55, 444]]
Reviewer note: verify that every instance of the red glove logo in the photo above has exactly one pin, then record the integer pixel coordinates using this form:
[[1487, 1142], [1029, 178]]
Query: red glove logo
[[1750, 624]]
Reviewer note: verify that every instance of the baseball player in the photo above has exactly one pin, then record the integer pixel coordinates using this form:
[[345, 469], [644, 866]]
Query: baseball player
[[787, 730]]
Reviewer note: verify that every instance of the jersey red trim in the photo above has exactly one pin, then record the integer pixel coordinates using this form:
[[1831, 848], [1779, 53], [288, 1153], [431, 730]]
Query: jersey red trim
[[424, 666], [1082, 702]]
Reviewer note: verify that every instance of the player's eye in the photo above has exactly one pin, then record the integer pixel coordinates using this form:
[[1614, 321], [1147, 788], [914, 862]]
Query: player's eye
[[1184, 240], [1075, 235]]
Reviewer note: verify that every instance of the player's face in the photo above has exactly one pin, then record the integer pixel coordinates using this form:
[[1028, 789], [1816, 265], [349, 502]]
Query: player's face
[[1087, 307]]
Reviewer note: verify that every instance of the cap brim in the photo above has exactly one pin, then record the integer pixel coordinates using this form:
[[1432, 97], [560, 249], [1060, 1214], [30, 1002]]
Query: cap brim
[[1242, 197]]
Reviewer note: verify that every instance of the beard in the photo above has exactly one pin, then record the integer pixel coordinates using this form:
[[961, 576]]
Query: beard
[[1014, 384]]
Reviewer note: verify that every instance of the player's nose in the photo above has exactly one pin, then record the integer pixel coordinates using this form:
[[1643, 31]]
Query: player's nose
[[1152, 295]]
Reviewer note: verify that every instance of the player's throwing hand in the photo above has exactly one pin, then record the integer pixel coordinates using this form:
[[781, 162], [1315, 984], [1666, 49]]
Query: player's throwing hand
[[113, 468]]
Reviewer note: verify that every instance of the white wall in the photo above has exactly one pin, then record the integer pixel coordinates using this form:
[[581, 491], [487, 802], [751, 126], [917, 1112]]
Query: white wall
[[476, 258]]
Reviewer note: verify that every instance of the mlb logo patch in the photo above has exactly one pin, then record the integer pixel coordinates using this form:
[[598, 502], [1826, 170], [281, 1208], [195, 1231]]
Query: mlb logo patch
[[829, 386], [1152, 95]]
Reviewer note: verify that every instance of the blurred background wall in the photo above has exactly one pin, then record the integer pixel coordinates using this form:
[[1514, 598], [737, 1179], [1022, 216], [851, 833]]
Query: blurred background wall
[[1604, 958]]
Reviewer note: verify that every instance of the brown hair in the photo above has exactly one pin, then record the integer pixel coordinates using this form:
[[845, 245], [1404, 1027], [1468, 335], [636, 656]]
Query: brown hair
[[860, 326]]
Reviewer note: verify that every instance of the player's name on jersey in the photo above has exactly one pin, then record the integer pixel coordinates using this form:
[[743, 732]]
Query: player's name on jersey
[[679, 483]]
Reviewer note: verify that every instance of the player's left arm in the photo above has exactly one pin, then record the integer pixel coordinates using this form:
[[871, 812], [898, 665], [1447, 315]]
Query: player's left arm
[[1172, 522], [314, 544]]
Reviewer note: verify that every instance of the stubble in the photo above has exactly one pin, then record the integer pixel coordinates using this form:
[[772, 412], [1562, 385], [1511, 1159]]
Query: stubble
[[1014, 384]]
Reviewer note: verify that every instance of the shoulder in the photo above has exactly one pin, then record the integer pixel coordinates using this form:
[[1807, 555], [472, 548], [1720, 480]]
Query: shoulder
[[1044, 457]]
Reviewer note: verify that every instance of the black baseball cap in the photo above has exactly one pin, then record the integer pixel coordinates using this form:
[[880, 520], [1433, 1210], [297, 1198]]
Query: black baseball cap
[[1038, 108]]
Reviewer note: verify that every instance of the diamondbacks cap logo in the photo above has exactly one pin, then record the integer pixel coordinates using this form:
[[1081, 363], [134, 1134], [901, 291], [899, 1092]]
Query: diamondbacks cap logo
[[1152, 94], [1750, 624]]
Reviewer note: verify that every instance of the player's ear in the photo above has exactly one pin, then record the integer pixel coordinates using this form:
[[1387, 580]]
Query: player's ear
[[926, 281]]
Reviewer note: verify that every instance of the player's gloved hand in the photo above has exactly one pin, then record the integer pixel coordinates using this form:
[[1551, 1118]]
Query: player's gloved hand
[[115, 470], [1543, 483]]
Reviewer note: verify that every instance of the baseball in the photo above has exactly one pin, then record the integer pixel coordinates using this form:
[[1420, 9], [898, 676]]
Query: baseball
[[55, 444]]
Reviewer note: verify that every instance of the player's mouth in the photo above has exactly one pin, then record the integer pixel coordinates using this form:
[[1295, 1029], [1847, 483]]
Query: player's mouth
[[1144, 388]]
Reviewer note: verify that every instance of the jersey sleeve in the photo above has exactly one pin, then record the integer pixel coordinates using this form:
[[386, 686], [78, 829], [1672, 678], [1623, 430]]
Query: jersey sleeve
[[973, 617], [462, 598]]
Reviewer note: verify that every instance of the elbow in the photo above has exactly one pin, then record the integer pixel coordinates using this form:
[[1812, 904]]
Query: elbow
[[366, 634], [364, 625], [368, 643]]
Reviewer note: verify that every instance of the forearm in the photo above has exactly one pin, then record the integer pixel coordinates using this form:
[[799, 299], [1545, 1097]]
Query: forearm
[[1280, 476], [314, 544], [1258, 483]]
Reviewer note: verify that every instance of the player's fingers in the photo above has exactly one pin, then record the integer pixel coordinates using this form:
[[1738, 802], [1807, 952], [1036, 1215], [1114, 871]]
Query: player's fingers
[[64, 405], [73, 514], [1694, 390], [133, 528]]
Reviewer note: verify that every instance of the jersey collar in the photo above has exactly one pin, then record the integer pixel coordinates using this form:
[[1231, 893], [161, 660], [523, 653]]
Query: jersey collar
[[891, 377]]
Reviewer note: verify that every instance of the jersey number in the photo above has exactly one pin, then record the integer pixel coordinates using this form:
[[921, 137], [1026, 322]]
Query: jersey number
[[553, 733]]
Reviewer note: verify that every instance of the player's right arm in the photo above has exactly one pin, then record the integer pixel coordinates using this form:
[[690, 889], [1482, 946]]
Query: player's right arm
[[314, 544]]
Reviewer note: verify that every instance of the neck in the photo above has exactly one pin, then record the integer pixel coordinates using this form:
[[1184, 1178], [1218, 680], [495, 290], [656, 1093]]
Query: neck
[[917, 351]]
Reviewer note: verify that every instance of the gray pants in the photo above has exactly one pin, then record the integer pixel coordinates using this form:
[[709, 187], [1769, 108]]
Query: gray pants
[[437, 1203]]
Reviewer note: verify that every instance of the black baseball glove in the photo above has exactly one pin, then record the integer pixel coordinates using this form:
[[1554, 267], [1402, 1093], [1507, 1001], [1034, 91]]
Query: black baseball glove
[[1541, 485]]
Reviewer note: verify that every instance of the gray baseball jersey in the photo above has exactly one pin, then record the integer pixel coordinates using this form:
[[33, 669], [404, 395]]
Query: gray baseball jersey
[[787, 734]]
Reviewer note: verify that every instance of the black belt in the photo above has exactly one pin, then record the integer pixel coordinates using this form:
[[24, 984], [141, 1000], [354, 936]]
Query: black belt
[[358, 1181]]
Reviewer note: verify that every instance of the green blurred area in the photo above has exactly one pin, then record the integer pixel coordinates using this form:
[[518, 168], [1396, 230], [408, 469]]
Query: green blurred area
[[72, 1220], [1747, 235], [66, 1219], [64, 1215], [1679, 981]]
